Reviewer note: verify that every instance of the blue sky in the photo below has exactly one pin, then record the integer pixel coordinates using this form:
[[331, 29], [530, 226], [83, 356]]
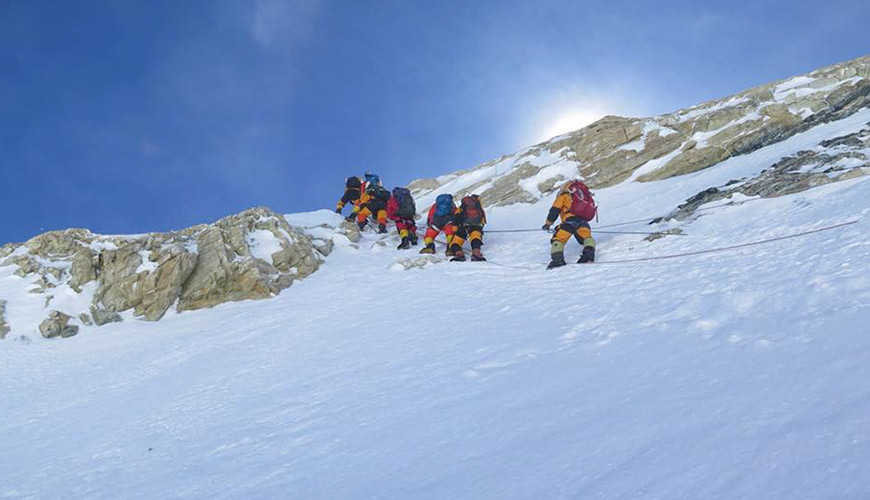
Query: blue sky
[[134, 116]]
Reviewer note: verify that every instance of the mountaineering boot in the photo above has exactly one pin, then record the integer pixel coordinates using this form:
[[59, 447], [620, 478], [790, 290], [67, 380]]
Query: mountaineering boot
[[413, 238], [382, 228], [362, 225], [557, 260], [449, 252], [406, 243], [458, 256], [587, 256], [476, 256], [428, 249]]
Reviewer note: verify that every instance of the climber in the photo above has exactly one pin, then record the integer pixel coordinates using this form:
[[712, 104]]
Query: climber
[[352, 192], [575, 206], [469, 223], [441, 219], [373, 202], [401, 209]]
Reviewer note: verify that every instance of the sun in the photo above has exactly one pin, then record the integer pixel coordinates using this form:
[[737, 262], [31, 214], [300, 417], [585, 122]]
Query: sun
[[571, 120]]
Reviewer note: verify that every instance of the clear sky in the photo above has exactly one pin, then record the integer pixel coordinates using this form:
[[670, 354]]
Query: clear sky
[[134, 116]]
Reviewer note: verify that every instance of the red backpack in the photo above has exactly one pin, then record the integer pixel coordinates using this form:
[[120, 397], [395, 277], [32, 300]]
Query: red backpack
[[472, 210], [582, 204]]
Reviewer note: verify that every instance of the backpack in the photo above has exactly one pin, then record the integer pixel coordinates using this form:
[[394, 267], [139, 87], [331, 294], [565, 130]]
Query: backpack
[[444, 205], [405, 203], [582, 204], [352, 183], [472, 210], [378, 192]]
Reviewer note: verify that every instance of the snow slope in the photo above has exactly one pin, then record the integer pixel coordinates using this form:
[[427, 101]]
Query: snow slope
[[740, 374]]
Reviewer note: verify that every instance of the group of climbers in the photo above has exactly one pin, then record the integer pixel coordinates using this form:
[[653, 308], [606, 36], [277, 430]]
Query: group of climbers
[[459, 224], [574, 207], [369, 198]]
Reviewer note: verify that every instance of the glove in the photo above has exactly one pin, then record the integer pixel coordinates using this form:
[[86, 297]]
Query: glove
[[338, 210], [546, 226]]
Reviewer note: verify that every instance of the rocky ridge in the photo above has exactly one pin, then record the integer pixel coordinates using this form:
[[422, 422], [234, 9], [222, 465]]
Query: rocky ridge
[[87, 279], [615, 149], [838, 159]]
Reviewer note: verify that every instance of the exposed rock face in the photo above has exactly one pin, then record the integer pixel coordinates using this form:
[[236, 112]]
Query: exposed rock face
[[57, 325], [612, 149], [835, 160], [351, 230], [219, 275], [4, 328], [251, 255], [102, 317]]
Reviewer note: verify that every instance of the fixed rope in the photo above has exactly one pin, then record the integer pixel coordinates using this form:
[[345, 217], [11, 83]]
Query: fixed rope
[[732, 247], [649, 220], [663, 232], [709, 250]]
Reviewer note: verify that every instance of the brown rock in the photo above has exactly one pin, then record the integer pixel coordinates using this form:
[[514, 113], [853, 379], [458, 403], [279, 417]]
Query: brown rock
[[57, 325]]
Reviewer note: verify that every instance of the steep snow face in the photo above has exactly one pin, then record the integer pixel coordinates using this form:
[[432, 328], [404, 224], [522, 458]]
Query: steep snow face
[[739, 374]]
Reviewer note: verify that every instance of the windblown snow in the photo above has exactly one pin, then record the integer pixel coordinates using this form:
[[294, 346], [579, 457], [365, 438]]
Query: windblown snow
[[738, 374]]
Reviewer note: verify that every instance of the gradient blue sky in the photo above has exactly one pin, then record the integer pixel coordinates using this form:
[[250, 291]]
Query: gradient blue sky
[[133, 116]]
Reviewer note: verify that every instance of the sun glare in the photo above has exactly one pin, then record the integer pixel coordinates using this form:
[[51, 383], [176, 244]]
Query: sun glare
[[571, 120]]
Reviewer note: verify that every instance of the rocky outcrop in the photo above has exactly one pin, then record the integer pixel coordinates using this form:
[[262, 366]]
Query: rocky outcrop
[[4, 327], [102, 317], [835, 160], [220, 276], [57, 325], [251, 255], [613, 149]]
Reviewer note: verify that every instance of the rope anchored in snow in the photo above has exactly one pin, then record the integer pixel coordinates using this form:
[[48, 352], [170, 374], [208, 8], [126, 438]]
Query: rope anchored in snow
[[710, 250], [656, 218], [732, 247], [594, 230]]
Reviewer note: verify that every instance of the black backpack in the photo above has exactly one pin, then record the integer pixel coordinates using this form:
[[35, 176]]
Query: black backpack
[[406, 207], [353, 183], [378, 192]]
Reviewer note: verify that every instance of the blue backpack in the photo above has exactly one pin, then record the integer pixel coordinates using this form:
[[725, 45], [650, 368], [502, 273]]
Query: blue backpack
[[444, 205]]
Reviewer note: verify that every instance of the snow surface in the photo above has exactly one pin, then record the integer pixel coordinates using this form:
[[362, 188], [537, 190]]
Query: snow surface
[[263, 244], [801, 87], [729, 375], [147, 264], [697, 111], [753, 163]]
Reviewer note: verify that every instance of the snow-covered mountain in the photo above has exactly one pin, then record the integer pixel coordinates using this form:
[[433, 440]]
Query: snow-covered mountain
[[616, 149], [724, 357]]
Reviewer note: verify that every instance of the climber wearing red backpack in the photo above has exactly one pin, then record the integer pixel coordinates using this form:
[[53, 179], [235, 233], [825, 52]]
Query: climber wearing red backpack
[[401, 209], [576, 207], [469, 223], [441, 218], [373, 202]]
